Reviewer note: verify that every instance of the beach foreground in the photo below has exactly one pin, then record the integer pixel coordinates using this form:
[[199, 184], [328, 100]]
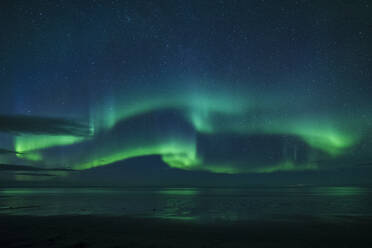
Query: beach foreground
[[106, 231]]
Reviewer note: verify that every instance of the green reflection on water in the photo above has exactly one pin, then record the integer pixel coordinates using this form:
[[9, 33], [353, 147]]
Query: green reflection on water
[[179, 191], [17, 191], [178, 208], [177, 217], [339, 191]]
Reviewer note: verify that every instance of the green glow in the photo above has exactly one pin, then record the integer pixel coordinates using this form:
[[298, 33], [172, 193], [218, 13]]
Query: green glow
[[107, 114], [182, 160], [234, 169], [111, 158], [32, 156], [321, 134], [179, 153], [324, 137], [209, 109], [27, 143], [286, 166], [224, 169]]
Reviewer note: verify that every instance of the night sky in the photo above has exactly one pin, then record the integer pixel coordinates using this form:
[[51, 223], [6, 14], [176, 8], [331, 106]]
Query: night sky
[[196, 90]]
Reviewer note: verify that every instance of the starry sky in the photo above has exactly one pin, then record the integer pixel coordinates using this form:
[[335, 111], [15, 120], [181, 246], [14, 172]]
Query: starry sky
[[213, 89]]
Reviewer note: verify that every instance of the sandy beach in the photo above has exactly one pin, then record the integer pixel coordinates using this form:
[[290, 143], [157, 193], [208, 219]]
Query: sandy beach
[[104, 231]]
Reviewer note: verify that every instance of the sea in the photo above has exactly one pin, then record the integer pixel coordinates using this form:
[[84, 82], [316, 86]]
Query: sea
[[192, 203]]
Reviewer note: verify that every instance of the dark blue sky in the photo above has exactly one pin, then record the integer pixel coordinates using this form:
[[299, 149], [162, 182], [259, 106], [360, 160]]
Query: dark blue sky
[[259, 90]]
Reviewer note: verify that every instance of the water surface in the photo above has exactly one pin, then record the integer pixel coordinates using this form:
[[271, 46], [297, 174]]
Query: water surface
[[192, 204]]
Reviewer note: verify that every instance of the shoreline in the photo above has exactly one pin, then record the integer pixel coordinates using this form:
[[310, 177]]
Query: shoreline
[[121, 231]]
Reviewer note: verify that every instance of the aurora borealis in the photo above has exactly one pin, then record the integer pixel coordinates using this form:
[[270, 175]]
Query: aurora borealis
[[228, 87]]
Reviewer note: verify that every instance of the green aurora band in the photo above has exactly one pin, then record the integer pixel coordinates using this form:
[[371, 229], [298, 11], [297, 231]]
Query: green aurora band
[[207, 112]]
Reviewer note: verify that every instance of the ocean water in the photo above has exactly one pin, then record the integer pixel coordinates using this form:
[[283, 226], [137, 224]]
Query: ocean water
[[192, 204]]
